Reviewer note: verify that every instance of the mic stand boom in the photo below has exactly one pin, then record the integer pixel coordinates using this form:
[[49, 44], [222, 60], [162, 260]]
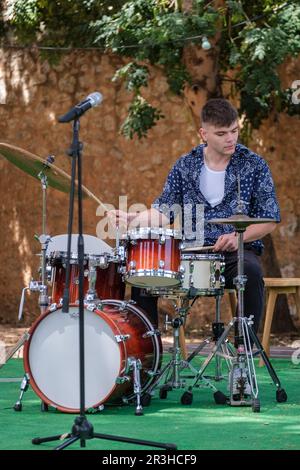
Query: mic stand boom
[[82, 429]]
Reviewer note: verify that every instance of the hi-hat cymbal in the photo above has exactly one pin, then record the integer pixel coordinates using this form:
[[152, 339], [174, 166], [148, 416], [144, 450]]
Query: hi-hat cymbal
[[240, 220], [33, 165]]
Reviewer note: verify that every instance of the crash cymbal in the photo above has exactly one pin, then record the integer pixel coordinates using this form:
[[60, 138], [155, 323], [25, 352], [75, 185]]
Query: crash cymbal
[[240, 220], [33, 165]]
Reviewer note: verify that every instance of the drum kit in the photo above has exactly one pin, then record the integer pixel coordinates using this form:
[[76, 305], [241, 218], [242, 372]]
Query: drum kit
[[123, 350]]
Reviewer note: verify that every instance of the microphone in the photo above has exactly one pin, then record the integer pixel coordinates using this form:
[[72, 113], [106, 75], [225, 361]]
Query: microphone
[[94, 99]]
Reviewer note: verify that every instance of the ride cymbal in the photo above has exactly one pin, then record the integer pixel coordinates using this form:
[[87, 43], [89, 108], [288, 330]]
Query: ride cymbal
[[240, 220]]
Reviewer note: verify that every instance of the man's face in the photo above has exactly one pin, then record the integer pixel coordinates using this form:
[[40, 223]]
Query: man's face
[[221, 140]]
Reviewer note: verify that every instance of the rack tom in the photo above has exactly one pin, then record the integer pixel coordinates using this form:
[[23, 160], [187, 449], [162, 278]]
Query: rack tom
[[153, 257], [101, 271]]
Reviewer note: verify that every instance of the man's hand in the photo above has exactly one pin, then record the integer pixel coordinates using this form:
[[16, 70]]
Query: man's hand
[[119, 218], [227, 242]]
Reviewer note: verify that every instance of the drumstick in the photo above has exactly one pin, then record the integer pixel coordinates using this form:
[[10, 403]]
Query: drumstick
[[198, 248], [92, 196], [106, 209]]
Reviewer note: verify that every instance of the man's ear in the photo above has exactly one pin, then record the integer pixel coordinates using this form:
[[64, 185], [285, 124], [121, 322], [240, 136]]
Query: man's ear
[[202, 134]]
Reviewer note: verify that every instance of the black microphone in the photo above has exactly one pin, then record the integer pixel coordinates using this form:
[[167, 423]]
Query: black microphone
[[94, 99]]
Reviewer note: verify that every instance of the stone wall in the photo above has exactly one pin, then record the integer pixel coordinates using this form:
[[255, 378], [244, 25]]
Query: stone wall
[[33, 94]]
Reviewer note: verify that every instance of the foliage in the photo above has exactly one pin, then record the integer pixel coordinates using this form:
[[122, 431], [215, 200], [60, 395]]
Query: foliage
[[255, 51], [149, 30], [152, 32], [254, 38], [57, 22], [135, 76], [141, 117]]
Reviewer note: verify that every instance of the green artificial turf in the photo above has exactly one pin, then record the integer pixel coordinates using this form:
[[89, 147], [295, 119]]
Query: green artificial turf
[[202, 425]]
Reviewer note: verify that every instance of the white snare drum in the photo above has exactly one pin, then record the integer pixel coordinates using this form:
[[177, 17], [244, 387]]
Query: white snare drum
[[203, 274]]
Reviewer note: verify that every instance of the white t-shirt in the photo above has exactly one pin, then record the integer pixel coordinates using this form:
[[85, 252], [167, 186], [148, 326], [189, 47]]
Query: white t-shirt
[[212, 185]]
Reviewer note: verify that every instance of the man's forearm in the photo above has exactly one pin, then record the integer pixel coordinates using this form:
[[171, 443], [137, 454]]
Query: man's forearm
[[258, 231], [149, 218]]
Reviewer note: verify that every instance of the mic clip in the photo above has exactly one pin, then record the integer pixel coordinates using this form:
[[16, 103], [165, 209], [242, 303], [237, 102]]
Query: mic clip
[[73, 150]]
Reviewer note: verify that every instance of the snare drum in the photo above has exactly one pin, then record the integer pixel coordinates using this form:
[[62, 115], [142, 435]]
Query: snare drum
[[203, 274], [100, 269], [153, 257], [115, 332]]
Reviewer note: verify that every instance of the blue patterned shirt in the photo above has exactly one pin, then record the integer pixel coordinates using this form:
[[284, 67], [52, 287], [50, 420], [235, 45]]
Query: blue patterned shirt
[[182, 187]]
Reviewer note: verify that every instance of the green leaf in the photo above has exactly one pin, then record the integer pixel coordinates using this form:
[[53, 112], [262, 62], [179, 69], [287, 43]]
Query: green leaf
[[141, 117]]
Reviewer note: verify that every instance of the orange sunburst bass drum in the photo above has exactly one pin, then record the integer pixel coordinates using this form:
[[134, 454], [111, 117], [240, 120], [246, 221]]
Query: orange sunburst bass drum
[[115, 332]]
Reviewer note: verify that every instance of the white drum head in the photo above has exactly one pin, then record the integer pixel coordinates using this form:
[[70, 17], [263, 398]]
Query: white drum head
[[54, 358], [92, 245]]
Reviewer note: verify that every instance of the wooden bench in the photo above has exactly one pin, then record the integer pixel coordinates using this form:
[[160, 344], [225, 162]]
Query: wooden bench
[[275, 286]]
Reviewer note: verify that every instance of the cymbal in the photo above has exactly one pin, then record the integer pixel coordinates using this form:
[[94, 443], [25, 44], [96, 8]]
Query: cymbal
[[33, 165], [240, 220]]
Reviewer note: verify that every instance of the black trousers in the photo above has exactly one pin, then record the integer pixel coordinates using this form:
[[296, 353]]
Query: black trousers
[[253, 294]]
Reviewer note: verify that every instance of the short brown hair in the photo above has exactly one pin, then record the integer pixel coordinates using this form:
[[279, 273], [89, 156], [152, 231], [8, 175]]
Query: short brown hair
[[219, 112]]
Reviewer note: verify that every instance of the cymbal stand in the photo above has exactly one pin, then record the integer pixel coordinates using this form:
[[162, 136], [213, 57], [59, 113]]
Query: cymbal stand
[[120, 252], [40, 286], [242, 378], [91, 295], [44, 240], [35, 286], [171, 372]]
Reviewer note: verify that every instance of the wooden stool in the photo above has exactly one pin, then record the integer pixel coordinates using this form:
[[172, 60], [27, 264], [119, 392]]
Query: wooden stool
[[275, 286]]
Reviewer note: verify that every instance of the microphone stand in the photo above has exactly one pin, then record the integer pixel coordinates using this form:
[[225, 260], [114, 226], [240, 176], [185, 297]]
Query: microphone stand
[[82, 429]]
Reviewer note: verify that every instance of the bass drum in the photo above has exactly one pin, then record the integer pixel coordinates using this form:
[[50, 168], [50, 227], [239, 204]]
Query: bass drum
[[114, 332]]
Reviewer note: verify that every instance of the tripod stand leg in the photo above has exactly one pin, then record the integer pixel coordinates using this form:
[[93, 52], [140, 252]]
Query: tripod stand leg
[[38, 440], [198, 349], [23, 387], [182, 342], [160, 445], [171, 370], [136, 365], [83, 430], [69, 442], [219, 397], [213, 353], [157, 380], [226, 349], [281, 395], [218, 373]]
